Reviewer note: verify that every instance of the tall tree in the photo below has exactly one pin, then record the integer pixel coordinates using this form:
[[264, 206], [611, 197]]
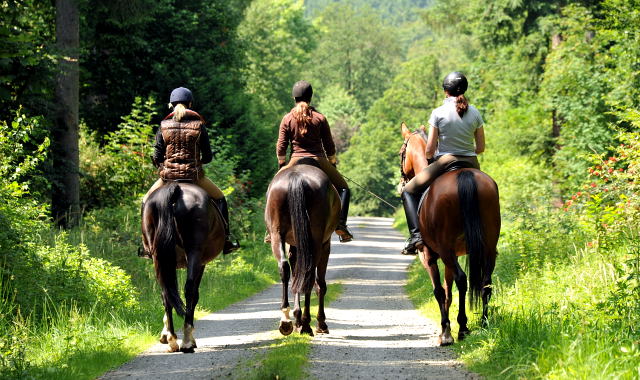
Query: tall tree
[[66, 187]]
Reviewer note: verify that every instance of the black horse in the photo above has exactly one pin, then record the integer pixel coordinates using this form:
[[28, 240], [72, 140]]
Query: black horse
[[181, 228], [302, 210]]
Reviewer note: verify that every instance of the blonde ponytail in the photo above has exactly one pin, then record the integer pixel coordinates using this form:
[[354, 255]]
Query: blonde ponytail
[[302, 115], [179, 110]]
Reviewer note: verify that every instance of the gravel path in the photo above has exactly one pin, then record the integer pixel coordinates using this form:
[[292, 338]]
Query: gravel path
[[374, 331]]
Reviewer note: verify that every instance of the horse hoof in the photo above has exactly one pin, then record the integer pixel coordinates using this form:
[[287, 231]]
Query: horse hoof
[[445, 340], [306, 330], [322, 329], [286, 328], [173, 348], [187, 350]]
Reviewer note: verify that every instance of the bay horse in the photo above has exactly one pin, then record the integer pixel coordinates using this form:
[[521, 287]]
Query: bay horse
[[181, 228], [302, 210], [460, 215]]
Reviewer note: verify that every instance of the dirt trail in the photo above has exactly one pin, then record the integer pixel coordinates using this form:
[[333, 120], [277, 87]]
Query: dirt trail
[[374, 331]]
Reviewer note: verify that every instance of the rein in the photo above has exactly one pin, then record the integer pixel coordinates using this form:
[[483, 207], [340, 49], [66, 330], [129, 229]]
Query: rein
[[370, 192]]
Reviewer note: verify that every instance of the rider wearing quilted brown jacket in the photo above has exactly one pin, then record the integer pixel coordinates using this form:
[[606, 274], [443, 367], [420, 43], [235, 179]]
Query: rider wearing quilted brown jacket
[[182, 147]]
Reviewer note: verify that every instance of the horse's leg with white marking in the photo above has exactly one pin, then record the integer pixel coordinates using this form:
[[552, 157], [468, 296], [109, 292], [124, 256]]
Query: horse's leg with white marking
[[321, 288], [278, 247], [429, 260], [168, 335], [449, 274], [195, 271], [461, 283]]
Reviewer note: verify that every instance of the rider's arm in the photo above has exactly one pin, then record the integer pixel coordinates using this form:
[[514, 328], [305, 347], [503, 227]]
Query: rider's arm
[[327, 141], [205, 146], [283, 141], [432, 142], [479, 137], [158, 149]]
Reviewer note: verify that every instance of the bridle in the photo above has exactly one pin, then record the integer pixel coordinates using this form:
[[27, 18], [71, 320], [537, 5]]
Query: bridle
[[403, 153]]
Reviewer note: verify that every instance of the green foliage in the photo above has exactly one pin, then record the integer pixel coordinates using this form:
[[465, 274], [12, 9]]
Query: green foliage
[[396, 12], [373, 159], [67, 273], [26, 27], [277, 42], [343, 114], [356, 51], [120, 168]]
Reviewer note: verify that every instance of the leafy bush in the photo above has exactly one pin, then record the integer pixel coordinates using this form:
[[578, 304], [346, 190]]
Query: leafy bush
[[120, 166]]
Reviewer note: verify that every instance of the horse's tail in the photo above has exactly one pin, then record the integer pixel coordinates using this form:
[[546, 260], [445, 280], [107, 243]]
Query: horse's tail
[[468, 196], [304, 274], [164, 246]]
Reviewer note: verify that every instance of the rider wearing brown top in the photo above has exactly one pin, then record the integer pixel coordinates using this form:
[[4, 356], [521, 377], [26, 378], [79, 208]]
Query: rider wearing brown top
[[308, 133], [182, 146]]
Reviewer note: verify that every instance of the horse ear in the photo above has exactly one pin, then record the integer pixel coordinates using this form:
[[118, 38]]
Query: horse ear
[[405, 130]]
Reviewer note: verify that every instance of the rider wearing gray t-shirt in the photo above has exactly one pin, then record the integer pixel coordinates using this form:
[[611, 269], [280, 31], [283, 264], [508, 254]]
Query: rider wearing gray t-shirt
[[455, 134]]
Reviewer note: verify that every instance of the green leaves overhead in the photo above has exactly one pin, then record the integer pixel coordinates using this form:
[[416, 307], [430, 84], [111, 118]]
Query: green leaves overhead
[[356, 51]]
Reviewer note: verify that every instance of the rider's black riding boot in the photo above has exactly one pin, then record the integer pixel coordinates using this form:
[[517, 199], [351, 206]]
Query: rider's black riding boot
[[414, 242], [229, 246], [342, 230]]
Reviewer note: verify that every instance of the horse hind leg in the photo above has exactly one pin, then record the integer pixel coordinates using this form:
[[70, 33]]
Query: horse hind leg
[[430, 262], [321, 289], [286, 325], [168, 335], [305, 325], [461, 282], [192, 295]]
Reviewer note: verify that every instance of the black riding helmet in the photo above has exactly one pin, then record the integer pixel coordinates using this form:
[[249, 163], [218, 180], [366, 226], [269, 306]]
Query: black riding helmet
[[455, 83], [302, 91], [181, 95]]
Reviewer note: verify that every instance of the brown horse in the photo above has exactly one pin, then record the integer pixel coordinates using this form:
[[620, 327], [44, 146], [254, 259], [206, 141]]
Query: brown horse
[[181, 228], [460, 215], [302, 210]]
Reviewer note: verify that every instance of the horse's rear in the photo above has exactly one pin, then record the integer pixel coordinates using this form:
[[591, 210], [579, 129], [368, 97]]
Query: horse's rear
[[181, 229], [461, 216], [302, 210]]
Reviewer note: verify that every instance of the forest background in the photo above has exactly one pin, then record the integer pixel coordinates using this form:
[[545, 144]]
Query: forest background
[[557, 82]]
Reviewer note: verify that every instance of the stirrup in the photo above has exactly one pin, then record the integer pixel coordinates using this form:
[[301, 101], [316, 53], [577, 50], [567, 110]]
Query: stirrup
[[343, 233], [412, 246]]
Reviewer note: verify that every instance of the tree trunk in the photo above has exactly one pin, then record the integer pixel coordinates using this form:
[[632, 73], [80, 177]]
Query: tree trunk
[[66, 182]]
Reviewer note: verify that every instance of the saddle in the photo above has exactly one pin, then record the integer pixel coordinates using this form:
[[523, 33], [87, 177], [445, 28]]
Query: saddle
[[454, 165]]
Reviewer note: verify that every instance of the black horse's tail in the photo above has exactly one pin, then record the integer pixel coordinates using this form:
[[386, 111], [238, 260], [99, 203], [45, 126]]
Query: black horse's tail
[[468, 196], [164, 246], [304, 274]]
